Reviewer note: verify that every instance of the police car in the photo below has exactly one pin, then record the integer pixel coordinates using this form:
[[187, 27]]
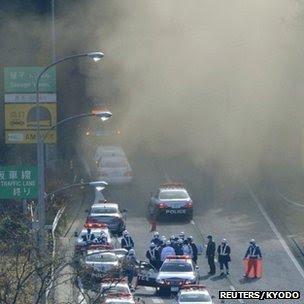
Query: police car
[[175, 272], [194, 294], [171, 199], [117, 298], [97, 229], [112, 285], [101, 263]]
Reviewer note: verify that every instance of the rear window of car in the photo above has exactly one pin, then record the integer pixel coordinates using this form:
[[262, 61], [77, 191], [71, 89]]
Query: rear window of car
[[173, 194], [176, 267], [119, 163], [101, 257], [107, 210], [195, 298]]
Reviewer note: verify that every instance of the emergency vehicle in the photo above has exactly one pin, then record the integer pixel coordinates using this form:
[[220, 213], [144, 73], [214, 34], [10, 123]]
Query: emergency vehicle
[[194, 294]]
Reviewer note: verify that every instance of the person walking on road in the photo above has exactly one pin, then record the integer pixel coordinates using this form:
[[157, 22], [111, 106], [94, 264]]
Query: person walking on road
[[153, 255], [253, 253], [126, 241], [210, 253], [223, 251]]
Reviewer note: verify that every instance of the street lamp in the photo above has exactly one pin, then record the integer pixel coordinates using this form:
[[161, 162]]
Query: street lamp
[[40, 157]]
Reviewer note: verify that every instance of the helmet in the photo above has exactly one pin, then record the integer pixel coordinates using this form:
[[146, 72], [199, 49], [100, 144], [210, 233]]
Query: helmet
[[224, 241], [172, 237], [131, 251], [182, 235], [180, 241], [252, 241], [163, 238], [152, 245], [209, 236], [190, 238], [156, 234], [168, 243], [125, 233]]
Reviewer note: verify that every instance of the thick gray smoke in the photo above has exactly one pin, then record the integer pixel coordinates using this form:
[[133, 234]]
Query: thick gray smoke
[[216, 80], [220, 81]]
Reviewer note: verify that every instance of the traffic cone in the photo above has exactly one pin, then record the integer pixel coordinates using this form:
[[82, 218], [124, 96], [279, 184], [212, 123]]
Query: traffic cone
[[153, 222]]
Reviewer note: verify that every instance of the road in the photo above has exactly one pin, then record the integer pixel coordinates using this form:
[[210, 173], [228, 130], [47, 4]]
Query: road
[[232, 210]]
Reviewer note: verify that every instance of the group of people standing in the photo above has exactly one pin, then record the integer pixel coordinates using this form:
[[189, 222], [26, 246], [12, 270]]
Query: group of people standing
[[223, 251], [161, 247]]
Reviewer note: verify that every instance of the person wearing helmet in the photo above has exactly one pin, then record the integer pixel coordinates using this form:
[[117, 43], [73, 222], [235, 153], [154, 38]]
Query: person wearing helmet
[[223, 251], [156, 239], [126, 241], [210, 254], [187, 249], [194, 249], [102, 239], [253, 253], [182, 235], [178, 247], [88, 237], [131, 263], [167, 250], [153, 256]]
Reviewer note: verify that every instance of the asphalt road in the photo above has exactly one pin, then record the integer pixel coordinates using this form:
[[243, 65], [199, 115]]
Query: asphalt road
[[231, 210]]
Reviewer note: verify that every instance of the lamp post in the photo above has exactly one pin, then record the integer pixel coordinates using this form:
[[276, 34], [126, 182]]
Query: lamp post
[[40, 158]]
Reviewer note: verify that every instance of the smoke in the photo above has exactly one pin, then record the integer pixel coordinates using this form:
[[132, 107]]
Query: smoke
[[217, 81]]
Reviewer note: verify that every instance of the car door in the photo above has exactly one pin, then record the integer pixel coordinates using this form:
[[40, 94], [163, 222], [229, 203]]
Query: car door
[[146, 275]]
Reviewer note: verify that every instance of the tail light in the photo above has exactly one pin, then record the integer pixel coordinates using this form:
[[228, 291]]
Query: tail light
[[128, 173], [102, 174], [162, 206], [189, 205]]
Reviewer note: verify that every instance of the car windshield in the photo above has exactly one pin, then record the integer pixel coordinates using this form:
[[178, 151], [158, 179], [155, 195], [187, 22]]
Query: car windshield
[[173, 194], [101, 257], [115, 288], [203, 297], [176, 267], [104, 209]]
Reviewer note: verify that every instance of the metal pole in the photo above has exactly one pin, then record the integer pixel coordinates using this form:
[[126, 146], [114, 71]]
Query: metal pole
[[40, 171]]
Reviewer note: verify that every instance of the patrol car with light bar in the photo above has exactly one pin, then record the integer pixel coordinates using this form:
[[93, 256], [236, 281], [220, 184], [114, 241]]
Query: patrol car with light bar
[[117, 298], [171, 199], [194, 294], [175, 272]]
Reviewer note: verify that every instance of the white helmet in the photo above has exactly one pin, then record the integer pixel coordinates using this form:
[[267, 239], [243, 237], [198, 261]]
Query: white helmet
[[182, 235], [252, 241], [125, 233], [163, 238], [131, 251], [172, 237], [224, 241], [156, 234], [168, 243], [152, 245]]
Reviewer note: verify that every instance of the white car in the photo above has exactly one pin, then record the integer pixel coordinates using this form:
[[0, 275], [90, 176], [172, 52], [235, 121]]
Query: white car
[[96, 229], [114, 286], [194, 294], [114, 170], [108, 151]]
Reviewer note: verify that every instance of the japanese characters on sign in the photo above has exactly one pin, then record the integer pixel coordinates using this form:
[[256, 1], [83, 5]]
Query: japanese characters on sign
[[18, 182]]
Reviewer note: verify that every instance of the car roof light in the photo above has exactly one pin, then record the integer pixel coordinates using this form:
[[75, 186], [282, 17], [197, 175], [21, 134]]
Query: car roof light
[[172, 185], [99, 246], [118, 294], [194, 286], [95, 225], [177, 257]]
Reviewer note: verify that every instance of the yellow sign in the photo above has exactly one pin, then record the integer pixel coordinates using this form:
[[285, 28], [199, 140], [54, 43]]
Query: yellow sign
[[23, 116], [28, 137]]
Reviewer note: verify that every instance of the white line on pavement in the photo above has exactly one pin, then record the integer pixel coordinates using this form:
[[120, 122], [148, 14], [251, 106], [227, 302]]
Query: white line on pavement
[[233, 289], [275, 231], [157, 300], [290, 201]]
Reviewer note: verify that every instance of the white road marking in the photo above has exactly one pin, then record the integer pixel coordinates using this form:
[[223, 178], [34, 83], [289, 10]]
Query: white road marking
[[290, 201], [157, 300], [276, 232], [233, 289]]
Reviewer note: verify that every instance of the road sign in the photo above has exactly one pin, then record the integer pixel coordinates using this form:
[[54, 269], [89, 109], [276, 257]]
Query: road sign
[[23, 116], [18, 182], [23, 79], [28, 137]]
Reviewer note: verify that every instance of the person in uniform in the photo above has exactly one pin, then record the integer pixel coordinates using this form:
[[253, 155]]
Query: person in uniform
[[131, 265], [102, 239], [178, 247], [89, 237], [156, 240], [223, 251], [166, 251], [126, 241], [194, 249], [253, 253], [153, 256], [187, 249], [210, 253]]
